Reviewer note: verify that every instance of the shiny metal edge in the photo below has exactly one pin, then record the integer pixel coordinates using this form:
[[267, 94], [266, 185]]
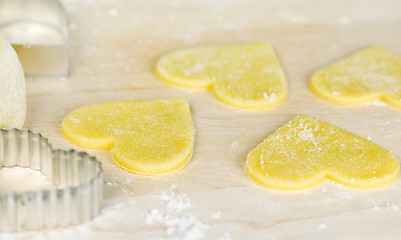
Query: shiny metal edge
[[77, 175], [39, 60]]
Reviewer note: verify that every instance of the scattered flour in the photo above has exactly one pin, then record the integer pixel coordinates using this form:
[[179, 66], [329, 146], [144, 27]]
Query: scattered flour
[[265, 95], [388, 206], [113, 12], [235, 144], [75, 120], [216, 215], [178, 225], [293, 17], [175, 202], [306, 135], [225, 236], [7, 236], [393, 207], [322, 226]]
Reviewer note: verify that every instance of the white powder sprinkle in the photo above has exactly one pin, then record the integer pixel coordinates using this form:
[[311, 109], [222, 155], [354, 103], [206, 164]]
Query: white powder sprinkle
[[6, 236], [322, 226], [186, 227], [225, 236], [176, 202], [273, 97], [265, 95], [216, 215], [177, 224], [155, 215], [395, 207], [110, 183], [306, 135], [113, 12], [75, 120], [235, 144], [292, 17], [198, 67]]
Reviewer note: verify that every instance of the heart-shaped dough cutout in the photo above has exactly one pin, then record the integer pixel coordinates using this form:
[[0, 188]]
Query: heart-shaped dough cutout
[[305, 151], [245, 76], [147, 136], [371, 74]]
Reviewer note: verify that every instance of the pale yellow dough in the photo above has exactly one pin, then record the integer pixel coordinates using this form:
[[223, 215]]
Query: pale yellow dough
[[246, 76], [368, 75], [306, 151], [147, 136]]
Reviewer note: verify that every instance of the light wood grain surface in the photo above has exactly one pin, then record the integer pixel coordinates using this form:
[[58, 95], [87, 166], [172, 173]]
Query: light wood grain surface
[[113, 49]]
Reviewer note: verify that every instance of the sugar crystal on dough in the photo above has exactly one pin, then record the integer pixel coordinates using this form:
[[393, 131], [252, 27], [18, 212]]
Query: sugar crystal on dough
[[245, 76], [305, 151], [147, 136], [369, 75]]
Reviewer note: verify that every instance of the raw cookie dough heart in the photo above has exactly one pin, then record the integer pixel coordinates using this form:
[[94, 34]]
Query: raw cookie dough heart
[[147, 136], [12, 87], [305, 151], [368, 75], [245, 76]]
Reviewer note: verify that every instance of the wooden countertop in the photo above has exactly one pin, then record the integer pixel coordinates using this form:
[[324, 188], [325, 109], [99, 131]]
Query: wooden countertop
[[113, 49]]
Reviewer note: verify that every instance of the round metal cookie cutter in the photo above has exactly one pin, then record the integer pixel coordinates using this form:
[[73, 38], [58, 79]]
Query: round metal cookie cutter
[[78, 178]]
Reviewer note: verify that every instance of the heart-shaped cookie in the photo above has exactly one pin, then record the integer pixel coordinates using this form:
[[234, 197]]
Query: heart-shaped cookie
[[147, 136], [305, 151], [368, 75], [245, 76]]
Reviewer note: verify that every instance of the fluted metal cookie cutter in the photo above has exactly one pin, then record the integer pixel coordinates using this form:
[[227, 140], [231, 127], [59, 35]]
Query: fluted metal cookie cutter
[[78, 178], [38, 31]]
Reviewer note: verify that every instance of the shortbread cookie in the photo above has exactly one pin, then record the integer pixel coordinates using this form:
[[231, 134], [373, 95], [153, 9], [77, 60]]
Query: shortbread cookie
[[245, 76], [147, 136], [306, 151], [368, 75]]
